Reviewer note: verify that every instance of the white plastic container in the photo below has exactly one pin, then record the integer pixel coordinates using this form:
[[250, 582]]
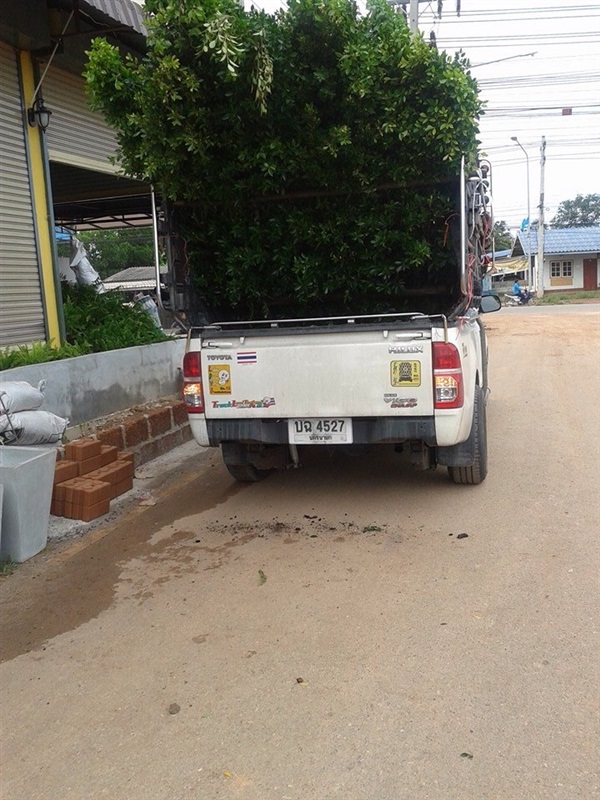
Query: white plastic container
[[27, 474]]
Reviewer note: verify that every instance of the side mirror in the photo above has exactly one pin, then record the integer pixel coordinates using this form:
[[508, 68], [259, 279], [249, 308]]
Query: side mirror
[[489, 302]]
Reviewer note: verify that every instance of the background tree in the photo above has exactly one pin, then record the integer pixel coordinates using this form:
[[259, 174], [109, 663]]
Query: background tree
[[301, 147], [503, 238], [582, 212], [112, 250]]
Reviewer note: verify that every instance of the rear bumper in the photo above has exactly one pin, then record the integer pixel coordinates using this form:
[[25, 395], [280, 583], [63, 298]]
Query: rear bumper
[[376, 430]]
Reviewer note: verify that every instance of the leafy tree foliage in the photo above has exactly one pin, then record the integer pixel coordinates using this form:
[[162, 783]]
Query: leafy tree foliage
[[503, 238], [306, 151], [582, 212]]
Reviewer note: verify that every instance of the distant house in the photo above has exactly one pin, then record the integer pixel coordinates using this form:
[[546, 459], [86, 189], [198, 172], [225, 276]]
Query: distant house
[[571, 257], [504, 270], [134, 279]]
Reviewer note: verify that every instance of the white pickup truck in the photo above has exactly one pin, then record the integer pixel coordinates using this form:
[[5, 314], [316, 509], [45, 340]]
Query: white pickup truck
[[263, 390]]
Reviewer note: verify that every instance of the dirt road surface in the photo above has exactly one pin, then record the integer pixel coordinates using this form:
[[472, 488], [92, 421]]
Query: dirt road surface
[[348, 630]]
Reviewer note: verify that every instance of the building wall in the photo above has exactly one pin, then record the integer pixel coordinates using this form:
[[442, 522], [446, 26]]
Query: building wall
[[28, 307], [30, 299], [77, 136], [566, 282]]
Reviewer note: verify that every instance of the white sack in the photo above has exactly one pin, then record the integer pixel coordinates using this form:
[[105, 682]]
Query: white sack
[[20, 396], [32, 427], [80, 264], [149, 306]]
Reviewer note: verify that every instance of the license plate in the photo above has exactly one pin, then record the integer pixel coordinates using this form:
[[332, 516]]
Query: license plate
[[326, 430]]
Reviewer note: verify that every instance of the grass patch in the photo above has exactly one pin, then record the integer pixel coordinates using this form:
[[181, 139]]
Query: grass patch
[[38, 353], [562, 298], [7, 568]]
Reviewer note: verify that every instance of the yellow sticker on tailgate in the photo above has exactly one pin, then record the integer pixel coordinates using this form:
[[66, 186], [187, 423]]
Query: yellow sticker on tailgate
[[405, 373], [219, 378]]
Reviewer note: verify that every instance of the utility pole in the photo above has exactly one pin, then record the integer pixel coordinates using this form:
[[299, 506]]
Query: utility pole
[[413, 12], [414, 15], [528, 273], [540, 253]]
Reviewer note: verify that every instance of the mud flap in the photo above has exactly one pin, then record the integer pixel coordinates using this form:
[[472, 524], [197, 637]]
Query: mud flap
[[458, 455]]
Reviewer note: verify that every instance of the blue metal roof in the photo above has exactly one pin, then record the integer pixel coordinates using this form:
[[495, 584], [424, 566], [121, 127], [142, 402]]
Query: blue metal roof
[[560, 241]]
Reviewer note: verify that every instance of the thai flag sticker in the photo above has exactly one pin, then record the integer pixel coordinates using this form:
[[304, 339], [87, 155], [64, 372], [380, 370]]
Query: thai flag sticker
[[246, 357]]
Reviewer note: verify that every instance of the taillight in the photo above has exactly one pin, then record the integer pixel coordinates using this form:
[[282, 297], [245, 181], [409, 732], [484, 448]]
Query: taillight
[[192, 383], [191, 365], [448, 386]]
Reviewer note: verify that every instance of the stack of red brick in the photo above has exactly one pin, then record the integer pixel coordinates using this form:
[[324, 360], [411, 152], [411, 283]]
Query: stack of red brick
[[88, 477]]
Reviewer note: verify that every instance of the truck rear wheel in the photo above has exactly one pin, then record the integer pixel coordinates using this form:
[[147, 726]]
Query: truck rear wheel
[[476, 472], [247, 473], [238, 458]]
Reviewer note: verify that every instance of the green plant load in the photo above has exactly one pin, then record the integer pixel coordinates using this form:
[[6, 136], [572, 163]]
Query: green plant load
[[307, 154]]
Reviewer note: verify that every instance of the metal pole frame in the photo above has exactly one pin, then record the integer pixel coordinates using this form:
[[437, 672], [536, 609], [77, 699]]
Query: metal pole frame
[[159, 301], [515, 139]]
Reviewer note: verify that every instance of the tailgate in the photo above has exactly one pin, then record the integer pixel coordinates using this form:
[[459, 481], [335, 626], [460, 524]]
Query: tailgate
[[354, 373]]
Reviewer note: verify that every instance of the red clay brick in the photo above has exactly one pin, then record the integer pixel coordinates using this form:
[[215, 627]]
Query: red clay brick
[[58, 493], [102, 474], [91, 512], [113, 473], [129, 470], [112, 436], [86, 513], [159, 421], [126, 455], [90, 493], [57, 508], [65, 470], [79, 490], [136, 432], [64, 491], [108, 454], [121, 487], [90, 464], [180, 414], [82, 449]]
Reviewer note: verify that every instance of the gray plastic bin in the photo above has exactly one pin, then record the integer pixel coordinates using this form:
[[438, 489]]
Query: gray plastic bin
[[27, 474]]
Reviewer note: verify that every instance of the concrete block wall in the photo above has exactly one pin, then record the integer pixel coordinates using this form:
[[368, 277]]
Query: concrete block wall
[[89, 387], [149, 432], [129, 399]]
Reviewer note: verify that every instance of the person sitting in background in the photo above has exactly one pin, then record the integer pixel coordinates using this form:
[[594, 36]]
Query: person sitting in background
[[518, 292]]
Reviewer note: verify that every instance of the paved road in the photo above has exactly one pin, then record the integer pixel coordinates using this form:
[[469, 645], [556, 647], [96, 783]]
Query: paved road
[[552, 310], [332, 632]]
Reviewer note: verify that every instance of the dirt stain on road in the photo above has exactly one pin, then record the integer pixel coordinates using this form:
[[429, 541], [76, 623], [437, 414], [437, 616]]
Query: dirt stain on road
[[74, 582]]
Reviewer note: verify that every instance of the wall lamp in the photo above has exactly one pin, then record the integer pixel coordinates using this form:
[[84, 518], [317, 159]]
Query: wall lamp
[[38, 114]]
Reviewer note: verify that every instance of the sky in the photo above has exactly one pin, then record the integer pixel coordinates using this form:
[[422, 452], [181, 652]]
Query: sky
[[545, 57]]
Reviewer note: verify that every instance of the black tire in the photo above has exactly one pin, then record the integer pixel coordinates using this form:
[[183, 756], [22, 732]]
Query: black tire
[[475, 474], [247, 473]]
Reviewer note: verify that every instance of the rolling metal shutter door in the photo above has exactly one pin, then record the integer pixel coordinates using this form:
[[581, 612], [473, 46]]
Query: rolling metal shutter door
[[76, 135], [21, 309]]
